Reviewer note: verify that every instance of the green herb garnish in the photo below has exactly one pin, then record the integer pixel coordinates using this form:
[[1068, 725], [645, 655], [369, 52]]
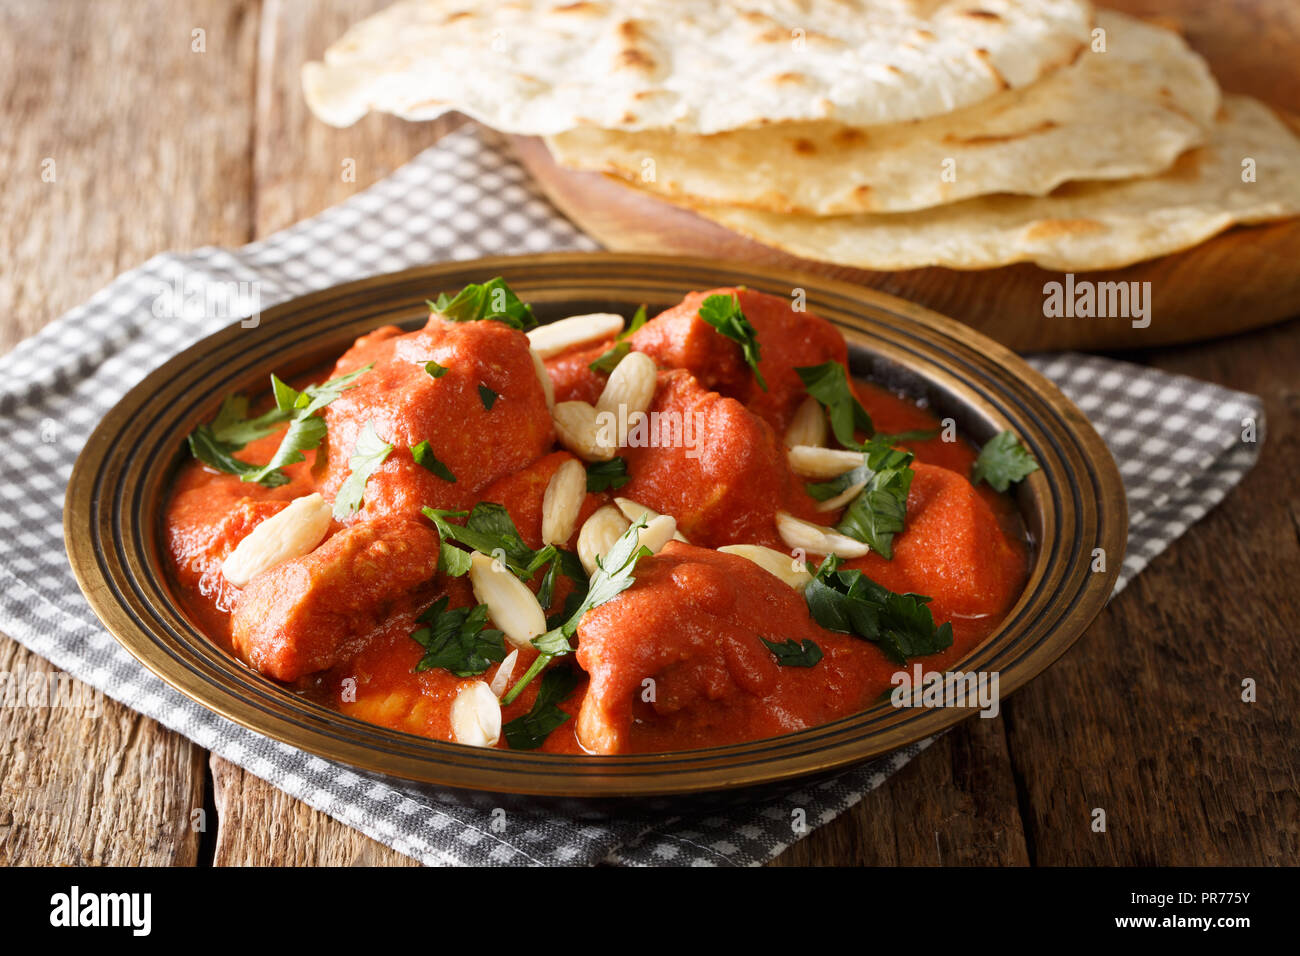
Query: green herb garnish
[[1003, 461], [367, 455], [793, 654], [614, 575], [491, 300], [609, 360], [723, 313], [917, 434], [426, 459], [829, 384], [531, 730], [434, 369], [487, 397], [565, 562], [215, 443], [458, 639], [314, 397], [490, 530], [607, 475], [880, 509], [851, 603], [452, 561], [234, 429]]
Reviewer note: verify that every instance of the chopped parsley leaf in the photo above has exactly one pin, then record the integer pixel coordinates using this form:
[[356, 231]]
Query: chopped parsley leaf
[[880, 509], [368, 454], [791, 653], [1002, 462], [215, 443], [829, 384], [609, 360], [614, 575], [607, 475], [487, 396], [723, 313], [491, 300], [531, 730], [426, 459], [490, 530], [851, 603], [457, 639]]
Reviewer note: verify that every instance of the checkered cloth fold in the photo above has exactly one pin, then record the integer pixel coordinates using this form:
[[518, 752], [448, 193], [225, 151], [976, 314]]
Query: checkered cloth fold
[[1178, 441]]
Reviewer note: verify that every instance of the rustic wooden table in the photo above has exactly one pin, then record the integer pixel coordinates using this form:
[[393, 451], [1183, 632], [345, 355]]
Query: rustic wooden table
[[158, 144]]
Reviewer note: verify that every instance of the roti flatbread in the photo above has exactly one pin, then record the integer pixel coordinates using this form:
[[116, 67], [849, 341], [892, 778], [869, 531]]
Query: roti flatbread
[[1081, 225], [1127, 111], [700, 66]]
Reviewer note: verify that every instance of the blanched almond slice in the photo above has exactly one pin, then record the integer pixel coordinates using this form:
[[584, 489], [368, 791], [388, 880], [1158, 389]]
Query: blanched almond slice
[[476, 716], [808, 426], [657, 533], [843, 498], [289, 534], [822, 463], [575, 425], [774, 562], [555, 337], [501, 679], [511, 606], [631, 386], [633, 510], [598, 534], [543, 376], [815, 538], [565, 493]]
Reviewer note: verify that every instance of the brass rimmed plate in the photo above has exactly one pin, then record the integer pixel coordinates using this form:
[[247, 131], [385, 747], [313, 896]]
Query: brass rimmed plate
[[115, 505]]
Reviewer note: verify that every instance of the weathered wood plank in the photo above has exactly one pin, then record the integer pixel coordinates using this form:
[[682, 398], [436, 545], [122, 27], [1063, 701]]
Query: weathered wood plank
[[263, 826], [144, 146], [85, 781], [302, 166], [1145, 718], [955, 804]]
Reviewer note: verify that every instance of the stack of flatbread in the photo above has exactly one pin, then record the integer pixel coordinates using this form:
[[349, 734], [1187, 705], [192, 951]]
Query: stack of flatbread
[[882, 134]]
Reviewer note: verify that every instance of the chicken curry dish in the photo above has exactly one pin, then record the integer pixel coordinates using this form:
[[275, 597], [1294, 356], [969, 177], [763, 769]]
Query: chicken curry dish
[[603, 534]]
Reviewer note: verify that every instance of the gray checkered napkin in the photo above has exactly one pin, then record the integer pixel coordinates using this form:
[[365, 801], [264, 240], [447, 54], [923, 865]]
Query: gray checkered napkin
[[1178, 442]]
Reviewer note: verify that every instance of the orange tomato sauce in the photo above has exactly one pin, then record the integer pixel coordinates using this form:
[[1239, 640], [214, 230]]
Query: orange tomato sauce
[[335, 625]]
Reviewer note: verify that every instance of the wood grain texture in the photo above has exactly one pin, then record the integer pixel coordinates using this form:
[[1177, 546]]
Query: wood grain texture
[[263, 826], [1251, 45], [88, 782], [1156, 732], [301, 166], [156, 159], [954, 805], [1142, 718]]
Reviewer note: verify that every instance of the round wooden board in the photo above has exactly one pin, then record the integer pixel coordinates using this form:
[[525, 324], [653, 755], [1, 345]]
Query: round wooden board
[[1241, 279]]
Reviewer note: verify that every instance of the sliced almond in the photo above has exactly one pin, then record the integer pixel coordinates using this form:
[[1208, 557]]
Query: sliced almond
[[843, 498], [511, 606], [786, 568], [565, 493], [808, 461], [798, 533], [657, 533], [501, 679], [286, 535], [578, 431], [476, 716], [631, 386], [598, 534], [556, 337], [808, 426], [632, 510], [543, 376]]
